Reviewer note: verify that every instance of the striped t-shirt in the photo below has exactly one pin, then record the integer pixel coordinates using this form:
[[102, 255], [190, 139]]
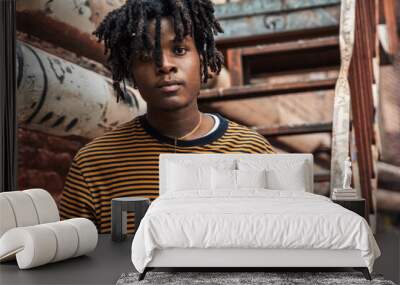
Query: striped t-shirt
[[124, 162]]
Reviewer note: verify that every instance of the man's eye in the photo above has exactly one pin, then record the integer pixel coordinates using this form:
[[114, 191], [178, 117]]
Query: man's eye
[[145, 57], [180, 50]]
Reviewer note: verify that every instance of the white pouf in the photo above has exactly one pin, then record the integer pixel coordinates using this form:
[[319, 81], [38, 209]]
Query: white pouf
[[26, 208], [40, 244], [7, 218], [23, 208], [46, 207]]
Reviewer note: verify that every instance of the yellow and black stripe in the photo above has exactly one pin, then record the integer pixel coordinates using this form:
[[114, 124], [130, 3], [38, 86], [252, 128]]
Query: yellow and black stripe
[[124, 162]]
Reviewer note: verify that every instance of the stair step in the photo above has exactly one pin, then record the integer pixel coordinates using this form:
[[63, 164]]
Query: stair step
[[302, 75], [294, 129], [321, 177], [264, 90], [258, 21], [332, 41], [295, 57]]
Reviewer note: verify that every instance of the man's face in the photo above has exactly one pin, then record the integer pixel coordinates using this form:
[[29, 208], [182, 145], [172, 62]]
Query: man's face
[[176, 83]]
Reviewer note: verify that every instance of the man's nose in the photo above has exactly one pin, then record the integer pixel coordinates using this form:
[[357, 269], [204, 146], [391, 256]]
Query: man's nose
[[167, 64]]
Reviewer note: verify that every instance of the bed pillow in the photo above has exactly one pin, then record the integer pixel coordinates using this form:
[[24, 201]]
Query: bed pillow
[[293, 179], [182, 177], [230, 180], [219, 163], [223, 179], [251, 178], [281, 175]]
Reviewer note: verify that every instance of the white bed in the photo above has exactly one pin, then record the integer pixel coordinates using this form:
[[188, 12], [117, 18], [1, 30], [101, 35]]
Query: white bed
[[202, 220]]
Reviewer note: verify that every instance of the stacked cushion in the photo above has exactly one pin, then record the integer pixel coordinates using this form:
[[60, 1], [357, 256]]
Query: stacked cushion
[[26, 208], [41, 244], [31, 231]]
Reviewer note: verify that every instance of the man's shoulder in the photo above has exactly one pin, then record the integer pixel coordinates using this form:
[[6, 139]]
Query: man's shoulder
[[237, 128], [108, 140], [243, 134]]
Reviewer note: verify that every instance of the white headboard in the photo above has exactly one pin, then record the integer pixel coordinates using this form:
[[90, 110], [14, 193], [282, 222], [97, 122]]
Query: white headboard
[[201, 159]]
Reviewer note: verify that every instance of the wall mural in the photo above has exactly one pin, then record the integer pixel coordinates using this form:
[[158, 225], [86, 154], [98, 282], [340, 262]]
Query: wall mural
[[62, 98]]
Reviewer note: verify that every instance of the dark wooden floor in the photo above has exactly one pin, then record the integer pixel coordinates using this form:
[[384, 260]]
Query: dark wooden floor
[[388, 264]]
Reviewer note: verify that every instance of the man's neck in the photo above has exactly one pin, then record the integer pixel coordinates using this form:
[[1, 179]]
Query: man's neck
[[174, 123]]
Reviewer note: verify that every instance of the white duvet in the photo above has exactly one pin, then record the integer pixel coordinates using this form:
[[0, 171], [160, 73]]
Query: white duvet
[[257, 218]]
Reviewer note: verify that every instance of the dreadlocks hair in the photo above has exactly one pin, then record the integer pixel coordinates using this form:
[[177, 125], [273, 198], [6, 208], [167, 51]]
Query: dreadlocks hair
[[125, 34]]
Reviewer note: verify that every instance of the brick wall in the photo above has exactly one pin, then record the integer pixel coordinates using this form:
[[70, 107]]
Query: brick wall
[[44, 160]]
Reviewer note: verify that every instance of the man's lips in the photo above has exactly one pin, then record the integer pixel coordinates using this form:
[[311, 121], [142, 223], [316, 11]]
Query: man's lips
[[170, 86]]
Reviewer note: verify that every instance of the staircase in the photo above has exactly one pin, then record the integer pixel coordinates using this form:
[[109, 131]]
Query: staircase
[[299, 48]]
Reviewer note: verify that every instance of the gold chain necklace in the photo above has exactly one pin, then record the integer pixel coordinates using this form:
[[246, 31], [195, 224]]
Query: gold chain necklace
[[189, 133]]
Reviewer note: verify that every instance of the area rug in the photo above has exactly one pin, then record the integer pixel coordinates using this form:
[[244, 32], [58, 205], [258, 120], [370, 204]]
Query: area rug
[[242, 278]]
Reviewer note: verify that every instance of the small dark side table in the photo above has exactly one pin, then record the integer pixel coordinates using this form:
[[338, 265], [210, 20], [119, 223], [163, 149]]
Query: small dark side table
[[119, 212], [355, 205]]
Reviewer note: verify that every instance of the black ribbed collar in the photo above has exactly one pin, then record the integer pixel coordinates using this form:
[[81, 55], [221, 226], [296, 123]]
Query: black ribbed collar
[[219, 132]]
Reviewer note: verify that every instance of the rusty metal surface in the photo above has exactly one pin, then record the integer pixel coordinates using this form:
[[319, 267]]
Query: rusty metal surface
[[295, 129], [361, 80], [235, 66], [291, 76], [248, 62], [254, 7], [68, 24], [61, 98], [259, 17], [294, 109], [332, 41], [264, 90]]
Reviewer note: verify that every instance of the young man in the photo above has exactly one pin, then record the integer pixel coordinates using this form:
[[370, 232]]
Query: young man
[[166, 49]]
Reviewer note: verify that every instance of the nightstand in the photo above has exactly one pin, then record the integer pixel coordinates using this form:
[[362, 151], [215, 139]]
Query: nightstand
[[119, 210], [355, 205]]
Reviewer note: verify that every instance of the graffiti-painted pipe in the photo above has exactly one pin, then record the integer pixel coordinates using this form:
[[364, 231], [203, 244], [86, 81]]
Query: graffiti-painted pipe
[[61, 98], [68, 24]]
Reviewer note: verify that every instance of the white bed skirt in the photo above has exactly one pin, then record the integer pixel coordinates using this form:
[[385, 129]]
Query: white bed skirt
[[235, 257]]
